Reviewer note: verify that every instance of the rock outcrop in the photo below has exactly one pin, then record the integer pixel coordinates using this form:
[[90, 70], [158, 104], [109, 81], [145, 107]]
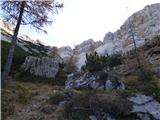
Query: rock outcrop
[[146, 105], [97, 80], [143, 108], [65, 52], [86, 45], [145, 24], [41, 66]]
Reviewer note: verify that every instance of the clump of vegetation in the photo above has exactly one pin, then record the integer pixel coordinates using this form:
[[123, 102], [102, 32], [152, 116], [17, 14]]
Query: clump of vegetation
[[57, 97], [152, 89], [7, 103], [18, 59], [78, 107], [94, 62], [134, 85], [97, 103], [152, 43], [60, 78], [12, 94]]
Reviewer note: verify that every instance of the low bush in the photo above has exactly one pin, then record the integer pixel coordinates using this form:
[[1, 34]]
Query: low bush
[[57, 97], [98, 103], [153, 90], [94, 62], [18, 59]]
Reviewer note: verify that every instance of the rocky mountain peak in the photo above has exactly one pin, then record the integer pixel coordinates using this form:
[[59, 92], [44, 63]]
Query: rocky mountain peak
[[145, 24]]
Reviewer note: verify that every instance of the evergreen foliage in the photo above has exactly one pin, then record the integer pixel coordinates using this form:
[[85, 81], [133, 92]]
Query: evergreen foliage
[[95, 62]]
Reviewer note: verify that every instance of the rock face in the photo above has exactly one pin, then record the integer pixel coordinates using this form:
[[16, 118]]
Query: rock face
[[65, 52], [86, 45], [145, 104], [98, 80], [93, 117], [44, 66], [145, 24]]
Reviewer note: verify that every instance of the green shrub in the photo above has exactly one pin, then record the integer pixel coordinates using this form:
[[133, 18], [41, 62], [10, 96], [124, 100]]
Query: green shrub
[[95, 62], [153, 90], [57, 97], [18, 59], [78, 107], [25, 76]]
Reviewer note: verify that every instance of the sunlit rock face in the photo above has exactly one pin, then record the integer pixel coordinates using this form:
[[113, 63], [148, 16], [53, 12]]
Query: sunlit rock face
[[41, 66], [87, 45], [65, 52], [144, 24]]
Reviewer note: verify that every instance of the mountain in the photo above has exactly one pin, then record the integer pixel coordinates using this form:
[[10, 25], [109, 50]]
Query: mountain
[[109, 87], [145, 24]]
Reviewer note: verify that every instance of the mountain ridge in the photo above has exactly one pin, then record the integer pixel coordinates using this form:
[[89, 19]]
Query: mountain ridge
[[145, 24]]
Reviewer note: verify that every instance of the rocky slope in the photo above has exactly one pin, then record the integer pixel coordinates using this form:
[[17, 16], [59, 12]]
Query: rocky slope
[[145, 24]]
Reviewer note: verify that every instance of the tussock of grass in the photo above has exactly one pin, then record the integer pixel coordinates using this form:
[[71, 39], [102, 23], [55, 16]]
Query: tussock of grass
[[12, 94], [88, 102]]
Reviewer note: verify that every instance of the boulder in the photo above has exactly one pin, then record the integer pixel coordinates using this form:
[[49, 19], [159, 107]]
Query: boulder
[[97, 80], [143, 108], [41, 66], [145, 104], [105, 117]]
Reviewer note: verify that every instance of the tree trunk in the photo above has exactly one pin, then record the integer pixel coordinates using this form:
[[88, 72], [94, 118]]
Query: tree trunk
[[8, 63]]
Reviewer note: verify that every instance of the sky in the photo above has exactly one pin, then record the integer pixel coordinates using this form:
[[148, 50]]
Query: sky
[[81, 20]]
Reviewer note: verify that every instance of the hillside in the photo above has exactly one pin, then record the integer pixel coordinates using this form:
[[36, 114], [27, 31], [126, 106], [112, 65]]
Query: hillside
[[94, 81]]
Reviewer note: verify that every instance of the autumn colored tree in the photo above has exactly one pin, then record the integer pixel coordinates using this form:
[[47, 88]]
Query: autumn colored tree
[[54, 52], [71, 62], [137, 57], [92, 49], [34, 13]]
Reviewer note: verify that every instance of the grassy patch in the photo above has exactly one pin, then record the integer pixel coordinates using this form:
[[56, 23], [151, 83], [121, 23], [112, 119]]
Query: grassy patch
[[14, 94], [89, 102], [18, 95], [57, 97], [151, 87], [25, 76]]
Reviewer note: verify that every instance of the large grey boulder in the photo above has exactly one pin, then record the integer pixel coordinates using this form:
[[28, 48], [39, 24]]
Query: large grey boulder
[[41, 66], [145, 104], [106, 117], [97, 80]]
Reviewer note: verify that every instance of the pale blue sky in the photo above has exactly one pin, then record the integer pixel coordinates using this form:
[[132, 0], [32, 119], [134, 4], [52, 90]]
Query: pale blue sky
[[83, 19]]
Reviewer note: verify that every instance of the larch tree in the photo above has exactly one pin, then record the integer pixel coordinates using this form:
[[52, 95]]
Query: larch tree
[[92, 49], [37, 14], [54, 52], [71, 61], [138, 62]]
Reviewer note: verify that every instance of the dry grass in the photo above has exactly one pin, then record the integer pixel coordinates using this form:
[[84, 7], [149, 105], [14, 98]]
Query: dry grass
[[16, 95]]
